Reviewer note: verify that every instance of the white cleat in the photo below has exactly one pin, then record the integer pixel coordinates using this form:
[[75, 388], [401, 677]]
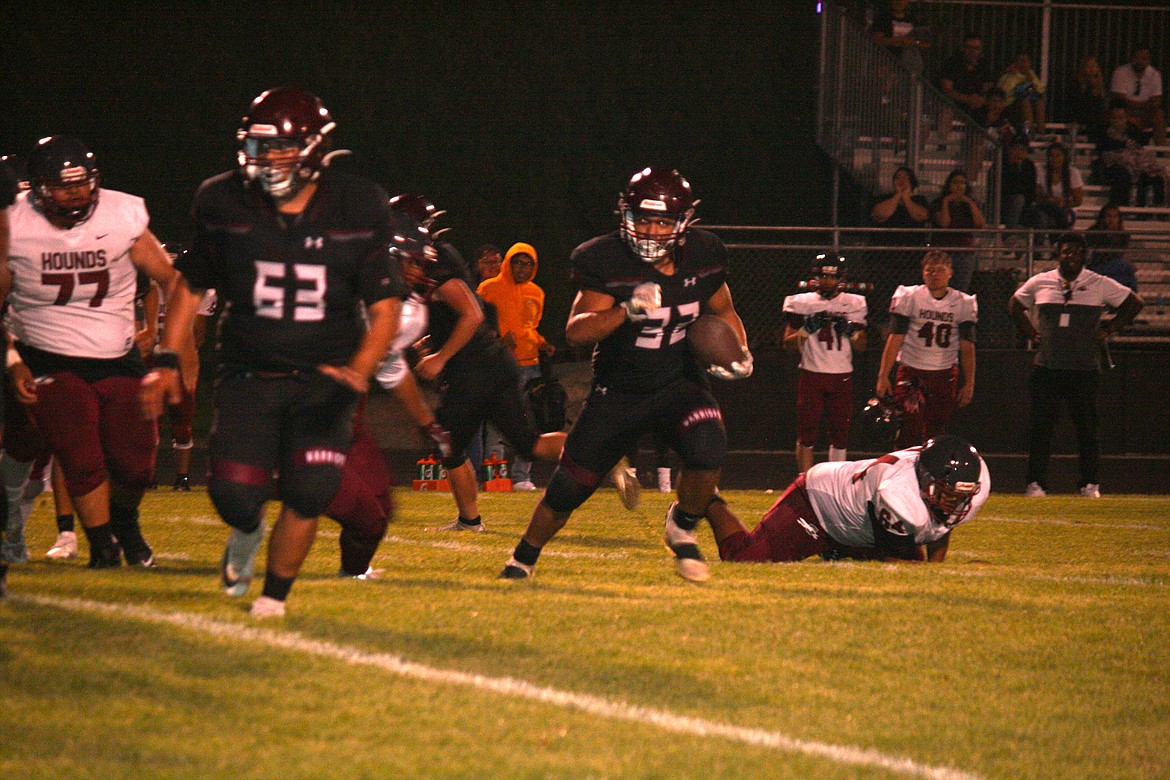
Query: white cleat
[[527, 486], [459, 525], [1091, 491], [1034, 491], [625, 479], [266, 607], [65, 548], [238, 564], [369, 574], [688, 560]]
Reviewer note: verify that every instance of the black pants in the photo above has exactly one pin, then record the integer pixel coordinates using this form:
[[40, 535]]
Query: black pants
[[1078, 391]]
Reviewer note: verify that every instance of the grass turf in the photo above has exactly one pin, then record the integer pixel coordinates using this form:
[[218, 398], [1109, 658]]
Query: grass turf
[[1041, 649]]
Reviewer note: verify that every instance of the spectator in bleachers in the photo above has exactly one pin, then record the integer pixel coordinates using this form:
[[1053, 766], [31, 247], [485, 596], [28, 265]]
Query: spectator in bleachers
[[1018, 186], [1087, 99], [1060, 188], [1106, 239], [902, 32], [965, 79], [1025, 93], [955, 209], [902, 209], [1124, 160], [1139, 85]]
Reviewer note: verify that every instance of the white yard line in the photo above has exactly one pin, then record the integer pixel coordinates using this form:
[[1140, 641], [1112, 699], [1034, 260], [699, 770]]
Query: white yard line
[[1076, 523], [506, 686]]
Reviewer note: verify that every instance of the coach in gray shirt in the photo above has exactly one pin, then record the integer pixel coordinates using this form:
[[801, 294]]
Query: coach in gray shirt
[[1067, 303]]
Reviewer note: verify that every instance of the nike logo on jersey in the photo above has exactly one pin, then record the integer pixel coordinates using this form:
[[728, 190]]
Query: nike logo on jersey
[[103, 235]]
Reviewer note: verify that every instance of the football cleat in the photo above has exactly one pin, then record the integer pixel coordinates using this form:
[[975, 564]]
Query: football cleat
[[1034, 491], [688, 560], [65, 548], [1091, 491], [525, 486], [266, 607], [238, 564], [514, 570], [625, 479], [459, 525], [109, 558], [182, 484], [369, 574]]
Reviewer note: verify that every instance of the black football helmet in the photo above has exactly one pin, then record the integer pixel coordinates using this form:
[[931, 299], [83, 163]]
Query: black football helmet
[[656, 193], [412, 246], [884, 416], [948, 471], [19, 167], [59, 162], [827, 266], [278, 120]]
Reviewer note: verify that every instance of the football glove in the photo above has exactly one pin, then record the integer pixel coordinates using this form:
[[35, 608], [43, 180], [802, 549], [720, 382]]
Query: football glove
[[846, 328], [741, 369], [814, 322], [647, 296]]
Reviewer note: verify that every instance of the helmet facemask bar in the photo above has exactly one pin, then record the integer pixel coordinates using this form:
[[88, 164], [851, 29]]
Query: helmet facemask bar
[[653, 248], [280, 181], [949, 503], [72, 215]]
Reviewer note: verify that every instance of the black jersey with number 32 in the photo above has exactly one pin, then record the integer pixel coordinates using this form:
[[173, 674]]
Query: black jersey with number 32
[[290, 285], [640, 357]]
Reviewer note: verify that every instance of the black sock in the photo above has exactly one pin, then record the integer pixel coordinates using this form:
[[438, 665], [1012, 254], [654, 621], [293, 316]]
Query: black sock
[[685, 520], [277, 587], [100, 538], [477, 521], [526, 553], [64, 523]]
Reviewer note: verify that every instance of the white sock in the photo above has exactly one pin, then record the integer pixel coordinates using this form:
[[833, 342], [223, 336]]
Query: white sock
[[836, 454]]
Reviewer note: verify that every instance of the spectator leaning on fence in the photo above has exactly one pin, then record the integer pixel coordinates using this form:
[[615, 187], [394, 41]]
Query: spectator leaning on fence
[[1139, 85], [955, 209], [1060, 312]]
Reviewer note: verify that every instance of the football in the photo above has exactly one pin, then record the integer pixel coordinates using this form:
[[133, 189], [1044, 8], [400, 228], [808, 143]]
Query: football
[[714, 342]]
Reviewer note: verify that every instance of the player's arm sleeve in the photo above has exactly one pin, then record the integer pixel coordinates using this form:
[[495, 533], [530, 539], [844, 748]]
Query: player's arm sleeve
[[197, 264], [899, 324], [379, 277]]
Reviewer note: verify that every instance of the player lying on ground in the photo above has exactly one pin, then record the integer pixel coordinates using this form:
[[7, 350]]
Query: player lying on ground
[[901, 506]]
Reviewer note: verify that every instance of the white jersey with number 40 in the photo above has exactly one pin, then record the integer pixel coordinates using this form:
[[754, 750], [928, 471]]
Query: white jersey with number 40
[[73, 290], [932, 343], [842, 493]]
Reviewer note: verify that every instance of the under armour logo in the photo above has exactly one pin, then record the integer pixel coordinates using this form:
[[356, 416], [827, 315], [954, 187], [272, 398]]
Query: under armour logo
[[601, 390], [690, 281], [314, 242]]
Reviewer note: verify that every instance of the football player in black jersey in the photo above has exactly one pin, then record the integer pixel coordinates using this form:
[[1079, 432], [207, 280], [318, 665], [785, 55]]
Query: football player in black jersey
[[640, 287], [292, 250], [478, 377]]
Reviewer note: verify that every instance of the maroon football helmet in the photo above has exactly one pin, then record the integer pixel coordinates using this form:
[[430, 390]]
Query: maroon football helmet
[[656, 194], [420, 209], [58, 162], [279, 120]]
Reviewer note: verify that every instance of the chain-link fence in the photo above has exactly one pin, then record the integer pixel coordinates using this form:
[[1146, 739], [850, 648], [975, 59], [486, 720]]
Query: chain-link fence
[[769, 263]]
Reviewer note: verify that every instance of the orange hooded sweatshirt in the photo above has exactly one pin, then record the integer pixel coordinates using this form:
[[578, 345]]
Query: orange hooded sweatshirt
[[520, 306]]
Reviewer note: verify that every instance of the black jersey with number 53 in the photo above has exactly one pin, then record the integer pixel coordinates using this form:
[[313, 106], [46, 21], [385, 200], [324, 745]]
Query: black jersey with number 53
[[640, 357], [290, 285]]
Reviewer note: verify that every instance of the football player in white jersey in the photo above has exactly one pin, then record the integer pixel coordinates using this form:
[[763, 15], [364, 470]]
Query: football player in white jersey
[[825, 326], [70, 281], [932, 340], [899, 507]]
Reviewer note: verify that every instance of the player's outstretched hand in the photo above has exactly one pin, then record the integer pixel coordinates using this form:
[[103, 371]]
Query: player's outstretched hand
[[160, 387], [740, 369], [344, 375]]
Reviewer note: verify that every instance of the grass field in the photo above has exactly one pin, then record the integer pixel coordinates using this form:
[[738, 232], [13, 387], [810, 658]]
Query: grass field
[[1041, 649]]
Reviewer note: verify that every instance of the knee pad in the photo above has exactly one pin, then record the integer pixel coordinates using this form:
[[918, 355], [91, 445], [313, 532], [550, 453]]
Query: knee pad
[[564, 494], [703, 445], [307, 490], [238, 503]]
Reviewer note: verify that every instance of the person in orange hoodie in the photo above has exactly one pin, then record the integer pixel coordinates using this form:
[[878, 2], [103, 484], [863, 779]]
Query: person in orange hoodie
[[520, 304]]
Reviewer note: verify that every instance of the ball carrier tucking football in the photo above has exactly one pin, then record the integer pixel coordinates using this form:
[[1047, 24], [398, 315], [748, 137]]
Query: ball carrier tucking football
[[640, 289]]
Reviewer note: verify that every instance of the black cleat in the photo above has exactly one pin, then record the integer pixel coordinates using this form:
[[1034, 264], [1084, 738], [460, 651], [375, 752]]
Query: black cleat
[[108, 558], [514, 570]]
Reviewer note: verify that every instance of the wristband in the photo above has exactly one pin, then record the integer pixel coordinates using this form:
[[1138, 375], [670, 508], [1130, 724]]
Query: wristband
[[166, 358]]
